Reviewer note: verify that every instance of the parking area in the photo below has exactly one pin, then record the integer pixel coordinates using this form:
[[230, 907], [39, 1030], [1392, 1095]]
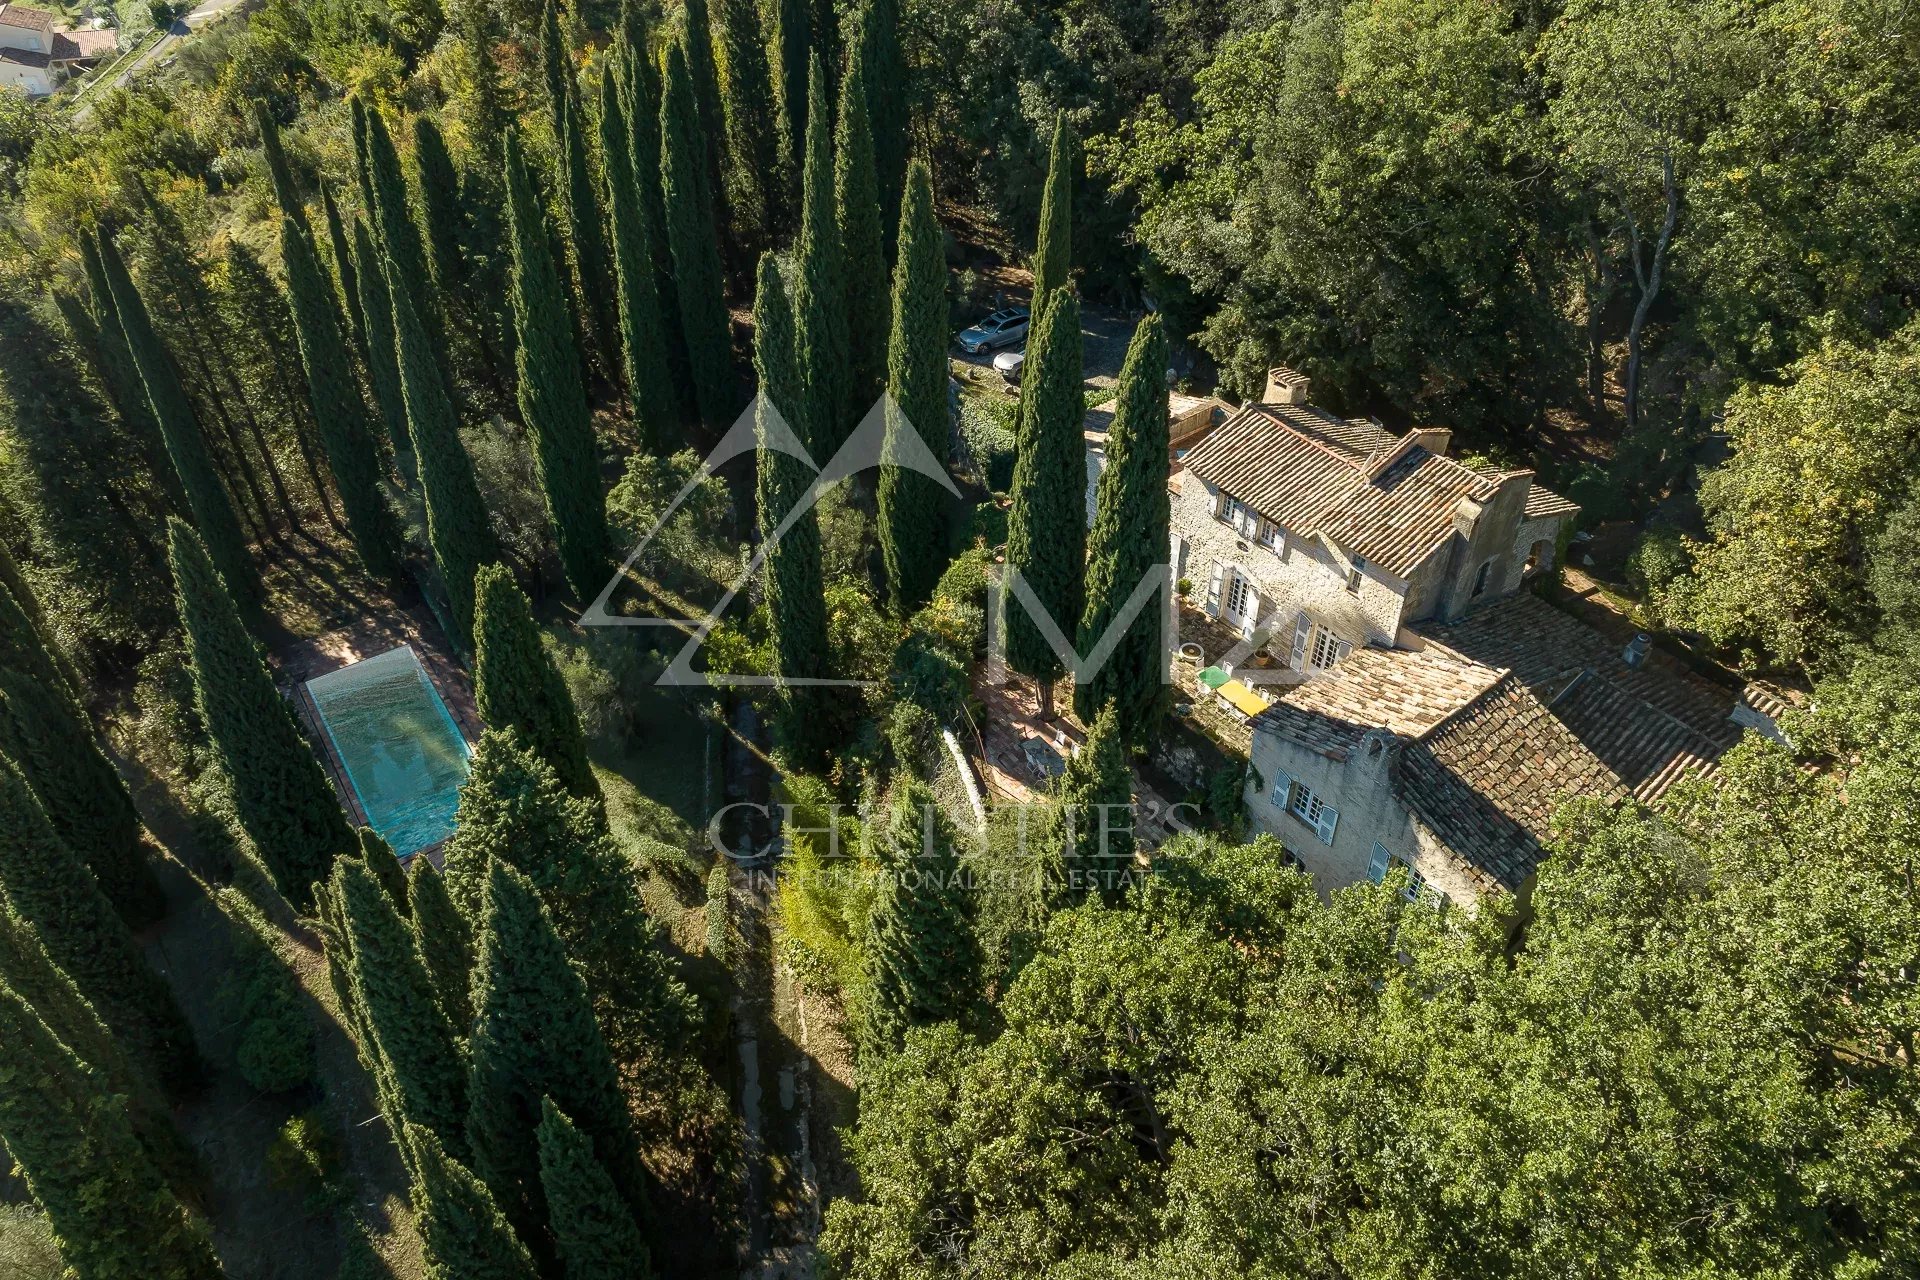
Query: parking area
[[1104, 333]]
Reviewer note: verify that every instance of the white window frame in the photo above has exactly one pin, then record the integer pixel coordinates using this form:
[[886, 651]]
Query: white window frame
[[1325, 642], [1239, 593], [1416, 889], [1306, 805]]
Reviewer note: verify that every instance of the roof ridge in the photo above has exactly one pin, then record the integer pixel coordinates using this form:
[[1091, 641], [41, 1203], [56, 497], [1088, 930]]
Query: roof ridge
[[1315, 441], [1503, 676]]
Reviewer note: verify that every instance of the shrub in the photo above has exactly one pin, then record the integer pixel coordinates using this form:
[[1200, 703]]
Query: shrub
[[306, 1156], [1657, 559], [986, 424], [261, 998], [720, 911], [823, 899]]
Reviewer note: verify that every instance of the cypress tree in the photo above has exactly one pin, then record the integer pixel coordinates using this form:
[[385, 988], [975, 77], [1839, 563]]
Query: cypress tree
[[553, 403], [280, 794], [921, 957], [580, 201], [107, 1203], [1130, 537], [121, 377], [746, 99], [362, 166], [1046, 527], [347, 278], [534, 1037], [212, 513], [462, 1231], [1097, 791], [23, 623], [412, 1040], [279, 173], [50, 992], [912, 510], [795, 601], [640, 88], [43, 882], [439, 187], [517, 686], [694, 35], [445, 944], [859, 211], [593, 1229], [53, 745], [346, 431], [377, 856], [1053, 256], [515, 812], [819, 295], [888, 104], [383, 360], [707, 329], [792, 45], [24, 647], [259, 307], [643, 331], [77, 488], [457, 527], [400, 240]]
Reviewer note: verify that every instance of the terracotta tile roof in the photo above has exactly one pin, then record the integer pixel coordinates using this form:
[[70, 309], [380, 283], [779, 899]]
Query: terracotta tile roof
[[23, 57], [1648, 748], [1545, 502], [1317, 474], [1403, 691], [1486, 781], [1397, 520], [1546, 648], [73, 46], [19, 15]]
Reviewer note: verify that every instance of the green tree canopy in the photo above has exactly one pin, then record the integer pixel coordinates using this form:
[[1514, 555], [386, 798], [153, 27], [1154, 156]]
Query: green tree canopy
[[516, 684]]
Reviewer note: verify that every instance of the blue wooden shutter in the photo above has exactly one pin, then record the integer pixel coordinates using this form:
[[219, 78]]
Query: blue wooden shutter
[[1329, 819], [1377, 868]]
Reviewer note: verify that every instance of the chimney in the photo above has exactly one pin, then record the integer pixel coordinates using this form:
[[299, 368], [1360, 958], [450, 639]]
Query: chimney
[[1284, 386], [1466, 517], [1636, 651]]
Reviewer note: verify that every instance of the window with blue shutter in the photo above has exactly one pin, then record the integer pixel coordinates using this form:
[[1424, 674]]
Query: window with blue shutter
[[1377, 868]]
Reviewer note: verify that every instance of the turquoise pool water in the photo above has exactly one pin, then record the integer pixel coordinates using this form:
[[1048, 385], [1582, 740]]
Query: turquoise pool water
[[404, 756]]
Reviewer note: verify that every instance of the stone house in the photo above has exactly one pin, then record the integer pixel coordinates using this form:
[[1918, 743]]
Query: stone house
[[34, 57], [1448, 754], [1190, 419], [1313, 534]]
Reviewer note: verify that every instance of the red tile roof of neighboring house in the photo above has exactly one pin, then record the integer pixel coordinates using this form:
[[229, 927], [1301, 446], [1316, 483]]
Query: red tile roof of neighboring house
[[1545, 502], [1385, 499], [80, 46], [19, 15]]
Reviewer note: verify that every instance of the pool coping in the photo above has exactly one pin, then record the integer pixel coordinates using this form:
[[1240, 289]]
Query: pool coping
[[316, 656]]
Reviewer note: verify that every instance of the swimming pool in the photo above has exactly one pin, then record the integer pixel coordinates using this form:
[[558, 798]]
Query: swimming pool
[[404, 757]]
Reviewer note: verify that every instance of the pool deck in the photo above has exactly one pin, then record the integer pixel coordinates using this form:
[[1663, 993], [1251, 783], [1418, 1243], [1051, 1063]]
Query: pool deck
[[297, 663]]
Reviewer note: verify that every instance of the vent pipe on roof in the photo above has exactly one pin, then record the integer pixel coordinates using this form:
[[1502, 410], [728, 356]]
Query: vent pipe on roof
[[1636, 651]]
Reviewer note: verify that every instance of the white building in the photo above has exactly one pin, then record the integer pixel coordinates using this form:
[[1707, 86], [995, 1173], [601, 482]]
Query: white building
[[34, 57]]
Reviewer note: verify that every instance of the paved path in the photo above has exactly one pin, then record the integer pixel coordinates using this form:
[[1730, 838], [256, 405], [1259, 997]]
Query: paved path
[[156, 53]]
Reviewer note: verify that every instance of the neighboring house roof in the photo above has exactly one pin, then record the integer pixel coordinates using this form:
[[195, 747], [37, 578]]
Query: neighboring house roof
[[79, 46], [1180, 407], [1313, 473], [23, 57], [18, 15], [1486, 781], [1403, 691]]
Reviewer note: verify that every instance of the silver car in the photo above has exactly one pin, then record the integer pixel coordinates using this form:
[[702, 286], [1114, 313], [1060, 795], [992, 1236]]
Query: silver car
[[1003, 328]]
